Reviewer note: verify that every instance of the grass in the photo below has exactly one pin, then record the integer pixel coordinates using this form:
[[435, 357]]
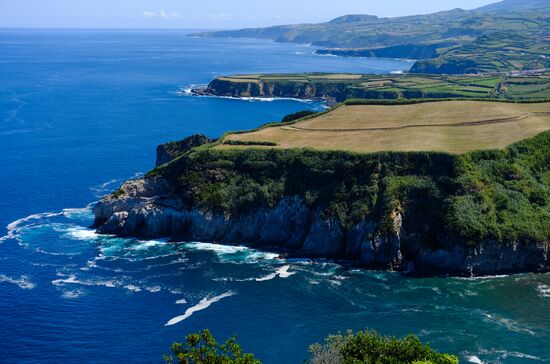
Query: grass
[[446, 126]]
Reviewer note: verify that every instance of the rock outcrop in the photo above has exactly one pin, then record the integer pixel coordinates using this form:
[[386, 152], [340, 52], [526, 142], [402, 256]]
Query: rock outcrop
[[169, 151], [148, 208]]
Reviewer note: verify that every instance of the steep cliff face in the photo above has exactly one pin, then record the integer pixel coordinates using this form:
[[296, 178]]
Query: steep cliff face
[[147, 208], [260, 88], [479, 213], [407, 51]]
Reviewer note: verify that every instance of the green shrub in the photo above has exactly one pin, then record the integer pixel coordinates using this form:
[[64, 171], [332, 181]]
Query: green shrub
[[298, 115], [370, 347]]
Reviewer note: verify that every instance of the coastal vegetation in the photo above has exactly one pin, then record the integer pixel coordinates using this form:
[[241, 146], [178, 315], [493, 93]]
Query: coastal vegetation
[[493, 195], [361, 347], [371, 347], [340, 87], [202, 348], [503, 37]]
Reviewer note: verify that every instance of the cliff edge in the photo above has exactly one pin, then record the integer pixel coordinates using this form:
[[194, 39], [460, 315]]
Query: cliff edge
[[480, 213]]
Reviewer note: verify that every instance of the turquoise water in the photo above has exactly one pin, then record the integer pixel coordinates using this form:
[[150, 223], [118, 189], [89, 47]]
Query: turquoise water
[[81, 111]]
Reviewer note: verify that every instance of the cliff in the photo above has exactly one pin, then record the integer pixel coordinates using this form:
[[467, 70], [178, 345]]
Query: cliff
[[480, 213], [408, 51], [528, 86]]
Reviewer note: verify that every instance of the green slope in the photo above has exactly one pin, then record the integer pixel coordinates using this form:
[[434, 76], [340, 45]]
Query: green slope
[[506, 36]]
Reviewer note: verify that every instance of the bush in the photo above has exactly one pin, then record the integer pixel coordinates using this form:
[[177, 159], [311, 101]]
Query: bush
[[202, 348], [298, 115], [371, 347], [249, 143]]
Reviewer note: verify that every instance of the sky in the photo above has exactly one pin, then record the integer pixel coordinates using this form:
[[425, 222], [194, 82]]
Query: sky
[[204, 14]]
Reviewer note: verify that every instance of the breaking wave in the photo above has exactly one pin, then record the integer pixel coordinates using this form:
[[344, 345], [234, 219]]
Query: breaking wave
[[202, 305], [233, 254], [23, 281]]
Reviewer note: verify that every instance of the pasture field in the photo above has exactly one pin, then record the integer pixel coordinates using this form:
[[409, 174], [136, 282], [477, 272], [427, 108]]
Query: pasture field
[[445, 126]]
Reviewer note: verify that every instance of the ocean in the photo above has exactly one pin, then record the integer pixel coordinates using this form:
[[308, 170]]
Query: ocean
[[81, 111]]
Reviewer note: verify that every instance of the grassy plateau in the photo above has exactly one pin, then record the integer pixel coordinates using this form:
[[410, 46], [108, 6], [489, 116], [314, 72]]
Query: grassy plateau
[[445, 126]]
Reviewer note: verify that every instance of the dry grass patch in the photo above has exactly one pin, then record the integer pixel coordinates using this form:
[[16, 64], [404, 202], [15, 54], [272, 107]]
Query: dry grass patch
[[451, 126]]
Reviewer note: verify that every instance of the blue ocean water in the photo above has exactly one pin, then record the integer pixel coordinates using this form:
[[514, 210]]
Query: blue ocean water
[[80, 111]]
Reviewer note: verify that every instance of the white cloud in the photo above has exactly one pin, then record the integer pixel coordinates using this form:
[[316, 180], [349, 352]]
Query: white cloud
[[209, 16], [160, 14]]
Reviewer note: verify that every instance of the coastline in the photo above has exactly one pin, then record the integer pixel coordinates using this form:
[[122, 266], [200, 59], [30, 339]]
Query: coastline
[[405, 235]]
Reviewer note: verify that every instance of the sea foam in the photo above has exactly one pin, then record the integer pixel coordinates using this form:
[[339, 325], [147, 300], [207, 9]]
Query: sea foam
[[202, 305], [23, 281], [474, 359]]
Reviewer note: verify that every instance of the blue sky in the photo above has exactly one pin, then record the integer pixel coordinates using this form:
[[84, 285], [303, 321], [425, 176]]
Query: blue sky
[[222, 14]]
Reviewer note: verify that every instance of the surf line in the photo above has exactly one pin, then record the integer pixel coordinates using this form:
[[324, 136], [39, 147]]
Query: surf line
[[202, 305]]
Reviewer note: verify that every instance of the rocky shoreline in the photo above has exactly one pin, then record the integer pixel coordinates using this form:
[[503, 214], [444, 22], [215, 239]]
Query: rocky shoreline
[[146, 208], [398, 236]]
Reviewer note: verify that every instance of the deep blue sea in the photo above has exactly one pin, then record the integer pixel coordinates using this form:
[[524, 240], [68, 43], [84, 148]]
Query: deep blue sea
[[80, 111]]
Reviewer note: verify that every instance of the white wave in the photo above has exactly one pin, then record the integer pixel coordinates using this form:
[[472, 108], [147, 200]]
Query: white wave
[[217, 248], [281, 272], [231, 253], [183, 301], [483, 278], [187, 90], [133, 288], [42, 251], [153, 289], [474, 359], [72, 279], [258, 255], [14, 226], [72, 294], [504, 354], [103, 187], [81, 233], [23, 281], [544, 291], [202, 305], [261, 99], [144, 245]]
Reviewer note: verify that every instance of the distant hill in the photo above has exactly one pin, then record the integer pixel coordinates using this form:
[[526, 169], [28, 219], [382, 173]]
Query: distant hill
[[511, 35], [517, 5]]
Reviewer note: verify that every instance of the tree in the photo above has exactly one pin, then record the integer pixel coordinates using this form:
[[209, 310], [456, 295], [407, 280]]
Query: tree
[[202, 348]]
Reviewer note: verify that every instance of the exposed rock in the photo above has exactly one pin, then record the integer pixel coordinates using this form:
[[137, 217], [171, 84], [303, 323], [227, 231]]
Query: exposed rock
[[146, 208]]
